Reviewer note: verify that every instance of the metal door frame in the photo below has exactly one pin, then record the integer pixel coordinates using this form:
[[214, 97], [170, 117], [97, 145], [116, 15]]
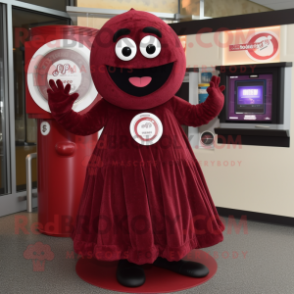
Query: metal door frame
[[14, 201]]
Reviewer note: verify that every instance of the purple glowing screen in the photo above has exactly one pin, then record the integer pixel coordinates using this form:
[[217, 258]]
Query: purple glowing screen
[[247, 95], [250, 95]]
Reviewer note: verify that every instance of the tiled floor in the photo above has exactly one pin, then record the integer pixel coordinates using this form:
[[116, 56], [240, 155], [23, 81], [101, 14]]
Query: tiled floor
[[268, 265]]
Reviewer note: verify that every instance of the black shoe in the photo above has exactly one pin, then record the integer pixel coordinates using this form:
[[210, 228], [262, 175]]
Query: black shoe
[[186, 268], [129, 274]]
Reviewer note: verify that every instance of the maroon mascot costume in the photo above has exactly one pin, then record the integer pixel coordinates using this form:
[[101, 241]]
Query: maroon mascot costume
[[145, 199]]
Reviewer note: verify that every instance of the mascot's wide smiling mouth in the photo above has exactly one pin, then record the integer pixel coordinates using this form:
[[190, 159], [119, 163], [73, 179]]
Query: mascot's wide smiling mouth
[[140, 82]]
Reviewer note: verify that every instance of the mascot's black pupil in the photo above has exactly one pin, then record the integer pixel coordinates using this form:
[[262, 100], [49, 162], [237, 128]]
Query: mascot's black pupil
[[126, 51], [150, 49]]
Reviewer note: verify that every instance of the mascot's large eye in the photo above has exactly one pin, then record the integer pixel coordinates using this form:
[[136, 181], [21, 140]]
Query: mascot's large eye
[[125, 49], [150, 46]]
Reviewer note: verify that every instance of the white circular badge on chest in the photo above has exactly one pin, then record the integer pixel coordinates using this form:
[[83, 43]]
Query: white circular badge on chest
[[146, 128]]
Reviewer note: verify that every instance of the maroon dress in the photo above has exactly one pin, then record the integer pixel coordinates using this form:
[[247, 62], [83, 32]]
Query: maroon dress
[[140, 202]]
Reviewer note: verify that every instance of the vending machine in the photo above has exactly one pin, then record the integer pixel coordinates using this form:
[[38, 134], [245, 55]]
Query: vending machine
[[59, 52]]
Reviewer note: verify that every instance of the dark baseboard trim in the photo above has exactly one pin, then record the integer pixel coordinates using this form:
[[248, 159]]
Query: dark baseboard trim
[[256, 216]]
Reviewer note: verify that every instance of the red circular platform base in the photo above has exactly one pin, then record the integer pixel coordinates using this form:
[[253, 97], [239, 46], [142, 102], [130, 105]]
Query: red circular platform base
[[103, 275]]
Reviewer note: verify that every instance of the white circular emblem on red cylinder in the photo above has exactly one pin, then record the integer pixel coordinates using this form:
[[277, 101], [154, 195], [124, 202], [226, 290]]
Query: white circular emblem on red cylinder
[[146, 128], [70, 64]]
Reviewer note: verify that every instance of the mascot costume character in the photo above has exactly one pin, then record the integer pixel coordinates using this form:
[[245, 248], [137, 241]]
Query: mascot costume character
[[145, 199]]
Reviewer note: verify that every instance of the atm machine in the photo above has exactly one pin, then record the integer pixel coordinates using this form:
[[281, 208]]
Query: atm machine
[[257, 76], [257, 105], [248, 158]]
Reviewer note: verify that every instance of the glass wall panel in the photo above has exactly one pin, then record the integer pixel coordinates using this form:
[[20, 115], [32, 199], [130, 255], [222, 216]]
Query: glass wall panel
[[222, 8], [91, 21], [167, 6], [3, 113], [53, 4], [25, 128]]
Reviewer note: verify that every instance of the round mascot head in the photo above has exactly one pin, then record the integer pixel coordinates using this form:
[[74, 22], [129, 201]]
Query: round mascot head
[[137, 61]]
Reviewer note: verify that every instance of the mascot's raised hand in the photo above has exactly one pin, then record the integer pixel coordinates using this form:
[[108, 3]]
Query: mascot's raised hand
[[59, 97], [214, 89]]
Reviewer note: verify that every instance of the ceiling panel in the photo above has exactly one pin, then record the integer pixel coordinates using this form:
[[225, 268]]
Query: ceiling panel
[[276, 4], [264, 2]]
